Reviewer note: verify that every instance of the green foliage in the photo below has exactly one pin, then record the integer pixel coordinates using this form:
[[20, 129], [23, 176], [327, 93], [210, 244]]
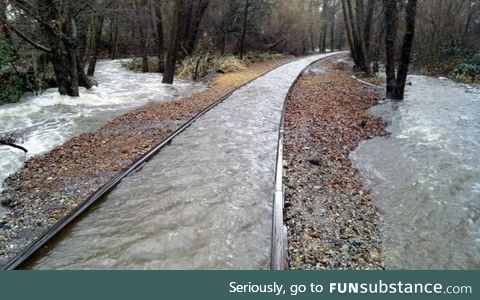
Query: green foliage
[[468, 71], [12, 83], [7, 56], [12, 89]]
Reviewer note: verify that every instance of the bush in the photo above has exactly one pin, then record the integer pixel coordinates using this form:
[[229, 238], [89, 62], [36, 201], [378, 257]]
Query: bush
[[200, 65], [197, 66], [12, 87], [13, 84], [468, 71]]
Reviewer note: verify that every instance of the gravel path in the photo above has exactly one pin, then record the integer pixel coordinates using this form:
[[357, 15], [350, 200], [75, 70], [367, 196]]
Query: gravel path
[[332, 222]]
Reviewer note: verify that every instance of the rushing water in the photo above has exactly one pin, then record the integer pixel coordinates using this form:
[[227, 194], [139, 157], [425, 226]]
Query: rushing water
[[49, 120], [425, 176], [204, 202]]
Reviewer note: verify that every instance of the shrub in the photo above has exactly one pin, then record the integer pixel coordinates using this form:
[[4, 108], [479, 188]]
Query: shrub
[[198, 66], [468, 71], [13, 84]]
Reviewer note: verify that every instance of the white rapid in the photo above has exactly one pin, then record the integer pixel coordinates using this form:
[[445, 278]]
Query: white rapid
[[49, 120]]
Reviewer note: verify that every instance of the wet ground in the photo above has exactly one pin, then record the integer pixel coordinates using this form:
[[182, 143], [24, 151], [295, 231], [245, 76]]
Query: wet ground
[[204, 202], [50, 186], [425, 176], [332, 222], [48, 120]]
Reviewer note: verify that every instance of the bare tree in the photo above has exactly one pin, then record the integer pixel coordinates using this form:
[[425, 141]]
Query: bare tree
[[159, 36], [140, 9], [193, 18], [353, 22], [396, 80], [62, 25], [175, 41], [244, 28], [98, 23]]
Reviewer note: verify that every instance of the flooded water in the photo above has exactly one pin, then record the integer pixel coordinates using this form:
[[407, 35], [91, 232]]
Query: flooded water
[[426, 176], [204, 202], [49, 120]]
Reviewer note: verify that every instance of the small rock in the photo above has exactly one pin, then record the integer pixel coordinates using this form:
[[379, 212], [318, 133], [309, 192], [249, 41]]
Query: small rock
[[313, 161], [6, 200]]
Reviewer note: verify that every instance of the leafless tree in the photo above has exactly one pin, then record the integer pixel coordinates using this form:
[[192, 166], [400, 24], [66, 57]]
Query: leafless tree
[[396, 80], [175, 40]]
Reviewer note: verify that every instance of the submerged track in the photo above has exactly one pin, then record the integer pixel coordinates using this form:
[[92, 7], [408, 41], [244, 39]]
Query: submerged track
[[234, 142]]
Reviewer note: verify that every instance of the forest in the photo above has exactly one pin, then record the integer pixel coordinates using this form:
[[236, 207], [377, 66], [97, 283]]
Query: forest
[[52, 43], [239, 134]]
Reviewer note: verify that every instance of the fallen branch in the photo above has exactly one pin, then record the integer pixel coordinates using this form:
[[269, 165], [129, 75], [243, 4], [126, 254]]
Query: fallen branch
[[365, 83], [3, 143], [10, 139]]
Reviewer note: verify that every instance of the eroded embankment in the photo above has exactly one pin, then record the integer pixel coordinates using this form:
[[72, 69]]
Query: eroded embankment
[[332, 222], [51, 185]]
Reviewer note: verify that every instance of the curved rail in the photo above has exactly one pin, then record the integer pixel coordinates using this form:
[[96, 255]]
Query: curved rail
[[279, 258], [82, 208]]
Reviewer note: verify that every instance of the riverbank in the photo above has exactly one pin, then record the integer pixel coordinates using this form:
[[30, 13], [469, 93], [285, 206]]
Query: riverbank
[[49, 186], [332, 222]]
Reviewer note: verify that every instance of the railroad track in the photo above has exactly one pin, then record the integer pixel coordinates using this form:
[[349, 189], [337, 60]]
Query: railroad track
[[279, 254], [27, 254]]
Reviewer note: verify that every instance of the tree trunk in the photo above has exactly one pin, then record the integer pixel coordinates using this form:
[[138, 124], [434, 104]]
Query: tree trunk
[[360, 18], [391, 25], [244, 30], [332, 29], [187, 25], [324, 26], [361, 60], [67, 42], [348, 28], [367, 31], [71, 44], [159, 38], [174, 43], [96, 43], [139, 9], [192, 36], [114, 32], [410, 16]]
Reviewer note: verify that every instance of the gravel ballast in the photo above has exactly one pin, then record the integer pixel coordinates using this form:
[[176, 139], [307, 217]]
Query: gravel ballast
[[50, 186], [331, 219]]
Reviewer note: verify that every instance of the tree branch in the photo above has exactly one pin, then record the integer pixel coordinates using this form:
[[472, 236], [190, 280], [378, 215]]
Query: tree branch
[[13, 146], [24, 37]]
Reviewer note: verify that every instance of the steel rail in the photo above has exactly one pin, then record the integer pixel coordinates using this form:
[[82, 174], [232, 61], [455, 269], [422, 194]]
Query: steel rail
[[47, 236], [279, 251], [27, 253]]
